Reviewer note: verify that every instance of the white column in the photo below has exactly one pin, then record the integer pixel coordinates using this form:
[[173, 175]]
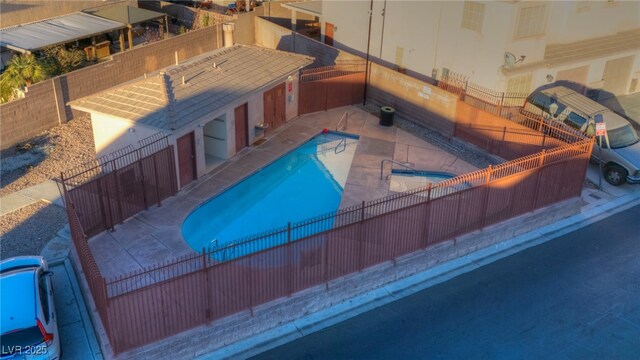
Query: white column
[[294, 21], [322, 29]]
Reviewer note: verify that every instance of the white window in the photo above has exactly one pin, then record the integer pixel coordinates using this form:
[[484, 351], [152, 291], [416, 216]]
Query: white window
[[520, 84], [531, 21], [472, 16]]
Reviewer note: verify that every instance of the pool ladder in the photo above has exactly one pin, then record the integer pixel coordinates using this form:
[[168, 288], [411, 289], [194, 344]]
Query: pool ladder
[[345, 118], [414, 171], [226, 253]]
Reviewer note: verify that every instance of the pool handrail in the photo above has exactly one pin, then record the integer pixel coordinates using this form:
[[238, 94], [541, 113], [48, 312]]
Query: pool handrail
[[344, 117], [397, 163]]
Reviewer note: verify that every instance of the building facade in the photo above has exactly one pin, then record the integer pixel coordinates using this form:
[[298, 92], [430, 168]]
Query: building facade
[[514, 46]]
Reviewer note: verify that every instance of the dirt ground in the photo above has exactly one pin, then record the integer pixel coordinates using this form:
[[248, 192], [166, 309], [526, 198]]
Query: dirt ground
[[45, 156]]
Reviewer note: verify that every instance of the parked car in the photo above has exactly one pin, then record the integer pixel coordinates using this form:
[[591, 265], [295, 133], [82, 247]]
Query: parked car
[[28, 323], [620, 147]]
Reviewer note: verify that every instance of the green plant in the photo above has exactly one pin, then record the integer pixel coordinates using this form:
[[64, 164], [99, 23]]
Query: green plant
[[182, 29], [205, 20], [60, 60], [23, 70]]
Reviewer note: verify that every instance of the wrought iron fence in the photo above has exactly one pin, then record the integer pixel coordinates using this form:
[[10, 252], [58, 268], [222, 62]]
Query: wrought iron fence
[[113, 188]]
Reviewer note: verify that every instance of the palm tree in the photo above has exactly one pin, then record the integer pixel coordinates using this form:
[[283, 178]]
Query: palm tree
[[23, 70]]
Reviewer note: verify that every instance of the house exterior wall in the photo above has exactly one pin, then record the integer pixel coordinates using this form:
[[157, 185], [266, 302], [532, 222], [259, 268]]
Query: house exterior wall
[[112, 133], [437, 39]]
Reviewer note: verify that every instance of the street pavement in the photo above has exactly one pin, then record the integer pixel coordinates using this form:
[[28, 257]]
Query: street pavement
[[576, 297]]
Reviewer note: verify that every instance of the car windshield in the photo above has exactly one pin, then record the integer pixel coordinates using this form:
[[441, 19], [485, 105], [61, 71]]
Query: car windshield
[[19, 340], [622, 137]]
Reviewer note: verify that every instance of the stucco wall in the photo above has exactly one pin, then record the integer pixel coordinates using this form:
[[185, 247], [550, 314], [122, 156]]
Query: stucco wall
[[424, 36], [25, 118], [111, 133]]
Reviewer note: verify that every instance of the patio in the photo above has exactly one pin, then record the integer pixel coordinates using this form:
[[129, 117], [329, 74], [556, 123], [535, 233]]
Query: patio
[[155, 236]]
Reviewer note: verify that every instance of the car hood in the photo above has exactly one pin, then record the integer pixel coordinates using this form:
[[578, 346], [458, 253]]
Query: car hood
[[631, 154]]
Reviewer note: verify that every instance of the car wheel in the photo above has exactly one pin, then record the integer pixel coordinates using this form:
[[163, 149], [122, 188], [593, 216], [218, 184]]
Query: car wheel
[[615, 175]]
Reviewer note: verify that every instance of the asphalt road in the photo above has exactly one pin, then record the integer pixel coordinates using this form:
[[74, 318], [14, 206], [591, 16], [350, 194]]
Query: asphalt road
[[575, 297]]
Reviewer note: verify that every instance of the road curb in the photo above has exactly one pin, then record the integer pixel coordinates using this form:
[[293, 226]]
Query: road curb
[[412, 284]]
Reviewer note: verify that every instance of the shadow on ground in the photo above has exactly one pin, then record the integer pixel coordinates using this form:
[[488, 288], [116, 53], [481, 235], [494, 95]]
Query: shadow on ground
[[27, 230]]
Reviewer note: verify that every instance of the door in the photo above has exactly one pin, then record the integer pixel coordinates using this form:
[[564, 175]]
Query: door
[[274, 107], [242, 125], [328, 33], [279, 105], [186, 159], [616, 75]]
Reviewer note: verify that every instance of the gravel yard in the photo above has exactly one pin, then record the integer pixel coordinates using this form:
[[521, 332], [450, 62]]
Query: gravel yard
[[27, 230], [45, 156]]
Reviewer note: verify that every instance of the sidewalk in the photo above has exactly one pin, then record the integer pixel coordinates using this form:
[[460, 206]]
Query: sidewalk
[[76, 331], [47, 191]]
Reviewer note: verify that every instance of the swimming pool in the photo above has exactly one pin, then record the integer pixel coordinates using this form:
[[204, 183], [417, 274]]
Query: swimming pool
[[306, 182], [404, 180]]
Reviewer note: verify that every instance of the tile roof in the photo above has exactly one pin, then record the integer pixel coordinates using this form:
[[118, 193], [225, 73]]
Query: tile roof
[[211, 82]]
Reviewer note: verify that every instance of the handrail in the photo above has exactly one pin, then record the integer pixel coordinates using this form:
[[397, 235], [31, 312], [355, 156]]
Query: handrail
[[212, 243], [344, 117], [397, 163]]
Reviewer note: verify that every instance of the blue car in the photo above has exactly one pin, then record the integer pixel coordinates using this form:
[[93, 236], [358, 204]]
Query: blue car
[[28, 323]]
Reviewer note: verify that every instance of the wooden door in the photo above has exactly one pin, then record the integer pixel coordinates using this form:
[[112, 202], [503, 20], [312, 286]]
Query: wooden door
[[274, 107], [279, 105], [242, 125], [186, 159], [328, 33], [269, 113]]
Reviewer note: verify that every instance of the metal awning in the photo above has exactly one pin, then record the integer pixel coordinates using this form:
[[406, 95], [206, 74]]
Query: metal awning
[[313, 8], [128, 15], [33, 36]]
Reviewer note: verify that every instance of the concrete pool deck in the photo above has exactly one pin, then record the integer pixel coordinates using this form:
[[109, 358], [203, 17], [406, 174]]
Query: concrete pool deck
[[155, 236]]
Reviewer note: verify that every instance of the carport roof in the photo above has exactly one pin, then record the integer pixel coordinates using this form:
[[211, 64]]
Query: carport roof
[[54, 31], [128, 15], [199, 87]]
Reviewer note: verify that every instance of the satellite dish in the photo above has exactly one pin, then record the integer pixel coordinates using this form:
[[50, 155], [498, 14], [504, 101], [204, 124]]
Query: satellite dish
[[509, 59]]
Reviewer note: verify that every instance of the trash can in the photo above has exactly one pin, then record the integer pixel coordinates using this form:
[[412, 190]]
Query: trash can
[[386, 115]]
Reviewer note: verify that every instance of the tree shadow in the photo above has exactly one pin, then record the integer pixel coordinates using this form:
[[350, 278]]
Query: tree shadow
[[19, 159], [27, 230]]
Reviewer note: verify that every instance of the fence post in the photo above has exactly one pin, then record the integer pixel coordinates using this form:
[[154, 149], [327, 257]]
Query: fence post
[[207, 312], [487, 190], [539, 170], [425, 235], [289, 260], [155, 174], [118, 194], [361, 239], [102, 207], [142, 181]]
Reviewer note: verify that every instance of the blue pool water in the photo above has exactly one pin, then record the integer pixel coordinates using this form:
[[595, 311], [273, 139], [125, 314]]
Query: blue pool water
[[306, 182]]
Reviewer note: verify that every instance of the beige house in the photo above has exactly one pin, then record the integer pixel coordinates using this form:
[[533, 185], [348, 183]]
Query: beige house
[[503, 45], [211, 106]]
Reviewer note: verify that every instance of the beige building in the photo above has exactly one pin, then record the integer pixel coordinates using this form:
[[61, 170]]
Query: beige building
[[512, 46], [211, 106]]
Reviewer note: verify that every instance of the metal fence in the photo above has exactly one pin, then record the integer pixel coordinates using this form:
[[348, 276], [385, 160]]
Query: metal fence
[[522, 134], [113, 188], [153, 303], [500, 103]]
